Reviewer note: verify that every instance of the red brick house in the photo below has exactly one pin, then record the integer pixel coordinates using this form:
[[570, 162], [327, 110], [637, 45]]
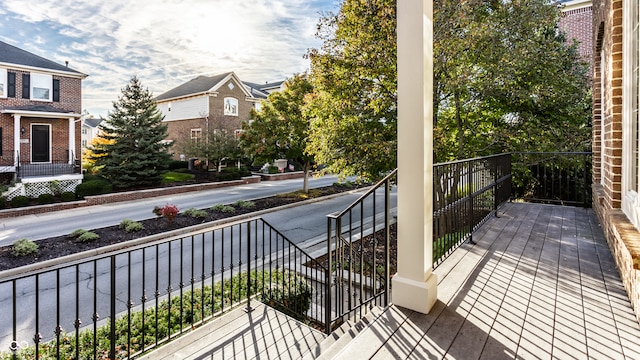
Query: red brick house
[[577, 22], [207, 103], [40, 106], [616, 130]]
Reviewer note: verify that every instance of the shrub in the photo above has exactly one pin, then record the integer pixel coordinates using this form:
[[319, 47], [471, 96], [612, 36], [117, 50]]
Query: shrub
[[3, 202], [68, 196], [195, 213], [45, 199], [273, 169], [88, 236], [93, 187], [217, 207], [177, 164], [169, 212], [130, 225], [24, 247], [19, 201], [245, 204], [77, 232]]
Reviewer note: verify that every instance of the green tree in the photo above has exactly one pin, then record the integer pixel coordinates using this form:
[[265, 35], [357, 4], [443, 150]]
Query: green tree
[[131, 151], [218, 143], [354, 108], [281, 129], [505, 80]]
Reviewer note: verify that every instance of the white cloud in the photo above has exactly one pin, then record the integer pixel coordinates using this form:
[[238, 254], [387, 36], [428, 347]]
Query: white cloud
[[168, 42]]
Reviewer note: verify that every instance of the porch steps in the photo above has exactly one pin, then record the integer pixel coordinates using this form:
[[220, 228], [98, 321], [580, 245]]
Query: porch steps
[[342, 336]]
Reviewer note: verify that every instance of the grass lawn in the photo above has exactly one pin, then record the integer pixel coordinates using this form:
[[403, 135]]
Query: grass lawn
[[171, 176]]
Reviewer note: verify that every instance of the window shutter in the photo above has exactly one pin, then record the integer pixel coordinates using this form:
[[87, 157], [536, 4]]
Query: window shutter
[[56, 90], [11, 84], [26, 86]]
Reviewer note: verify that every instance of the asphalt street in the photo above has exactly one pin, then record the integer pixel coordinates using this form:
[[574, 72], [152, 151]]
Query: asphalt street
[[40, 226]]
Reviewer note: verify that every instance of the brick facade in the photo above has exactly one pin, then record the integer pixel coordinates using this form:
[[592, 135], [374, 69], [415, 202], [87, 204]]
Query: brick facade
[[578, 25], [623, 238], [70, 101]]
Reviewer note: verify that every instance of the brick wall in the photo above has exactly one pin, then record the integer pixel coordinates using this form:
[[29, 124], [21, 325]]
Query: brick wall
[[623, 238], [578, 25], [70, 100]]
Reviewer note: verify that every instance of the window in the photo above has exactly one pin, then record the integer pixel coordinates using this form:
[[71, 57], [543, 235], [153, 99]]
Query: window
[[41, 87], [84, 131], [631, 112], [84, 143], [231, 106], [3, 83], [196, 135]]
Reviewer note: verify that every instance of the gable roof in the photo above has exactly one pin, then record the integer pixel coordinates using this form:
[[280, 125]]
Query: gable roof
[[92, 122], [201, 85], [12, 55]]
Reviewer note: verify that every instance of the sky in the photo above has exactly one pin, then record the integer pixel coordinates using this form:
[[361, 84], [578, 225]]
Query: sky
[[165, 42]]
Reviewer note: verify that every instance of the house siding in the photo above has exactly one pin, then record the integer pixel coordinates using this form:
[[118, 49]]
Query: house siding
[[623, 238]]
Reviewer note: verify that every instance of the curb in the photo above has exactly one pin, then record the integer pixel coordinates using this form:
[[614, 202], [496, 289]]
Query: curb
[[85, 255]]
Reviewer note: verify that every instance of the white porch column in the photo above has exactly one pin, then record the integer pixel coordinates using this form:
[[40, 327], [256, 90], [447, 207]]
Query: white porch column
[[16, 138], [414, 285], [72, 139]]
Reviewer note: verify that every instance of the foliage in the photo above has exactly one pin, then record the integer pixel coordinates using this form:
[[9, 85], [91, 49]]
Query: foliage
[[195, 213], [130, 226], [19, 201], [280, 130], [354, 107], [93, 187], [89, 236], [77, 232], [45, 199], [168, 211], [172, 176], [243, 204], [89, 156], [3, 202], [68, 196], [133, 153], [24, 247], [284, 290], [217, 143], [506, 80], [177, 164], [226, 209]]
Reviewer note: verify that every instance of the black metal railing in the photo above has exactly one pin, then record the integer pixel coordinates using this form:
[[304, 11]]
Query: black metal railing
[[555, 178], [465, 194], [126, 303], [358, 255], [55, 167]]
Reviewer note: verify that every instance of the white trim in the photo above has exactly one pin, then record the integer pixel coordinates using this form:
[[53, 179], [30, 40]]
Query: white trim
[[4, 83], [77, 75], [630, 198], [40, 114], [575, 4]]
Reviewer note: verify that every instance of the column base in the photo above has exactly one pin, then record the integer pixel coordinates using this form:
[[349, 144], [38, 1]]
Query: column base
[[415, 295]]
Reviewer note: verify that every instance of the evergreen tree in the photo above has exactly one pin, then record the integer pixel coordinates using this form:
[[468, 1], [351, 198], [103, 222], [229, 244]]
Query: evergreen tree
[[133, 152]]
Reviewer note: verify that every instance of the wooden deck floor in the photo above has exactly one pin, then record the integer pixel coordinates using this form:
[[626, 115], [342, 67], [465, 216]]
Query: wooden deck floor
[[540, 284]]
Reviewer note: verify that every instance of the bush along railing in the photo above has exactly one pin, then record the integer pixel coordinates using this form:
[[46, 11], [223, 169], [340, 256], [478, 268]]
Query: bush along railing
[[358, 256], [465, 194], [555, 178], [123, 304]]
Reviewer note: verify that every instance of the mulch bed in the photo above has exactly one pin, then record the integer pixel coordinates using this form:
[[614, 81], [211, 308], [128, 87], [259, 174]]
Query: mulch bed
[[59, 246]]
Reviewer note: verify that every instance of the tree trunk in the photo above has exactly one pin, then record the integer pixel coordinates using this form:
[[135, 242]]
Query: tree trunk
[[305, 183]]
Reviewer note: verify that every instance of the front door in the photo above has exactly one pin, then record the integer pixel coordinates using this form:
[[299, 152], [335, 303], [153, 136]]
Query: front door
[[40, 143]]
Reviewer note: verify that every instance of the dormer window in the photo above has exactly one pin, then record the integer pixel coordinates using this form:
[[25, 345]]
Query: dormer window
[[231, 106]]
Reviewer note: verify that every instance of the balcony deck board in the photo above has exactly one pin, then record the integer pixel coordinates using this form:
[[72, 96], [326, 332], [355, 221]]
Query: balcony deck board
[[539, 283]]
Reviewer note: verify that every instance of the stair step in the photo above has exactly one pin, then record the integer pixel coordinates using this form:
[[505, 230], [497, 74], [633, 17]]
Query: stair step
[[342, 336]]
